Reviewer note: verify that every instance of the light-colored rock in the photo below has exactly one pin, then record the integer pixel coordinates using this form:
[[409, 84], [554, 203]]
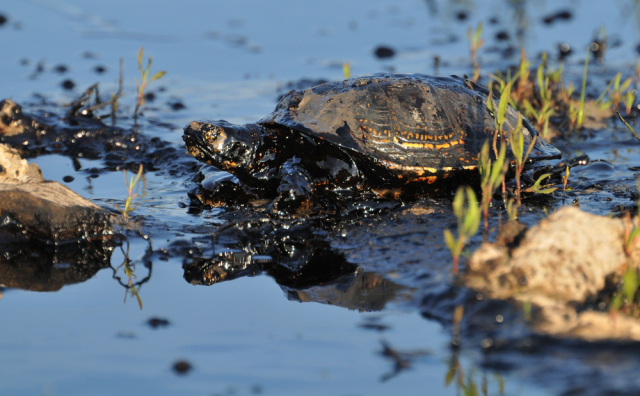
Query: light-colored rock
[[558, 265], [566, 257], [14, 169], [33, 207]]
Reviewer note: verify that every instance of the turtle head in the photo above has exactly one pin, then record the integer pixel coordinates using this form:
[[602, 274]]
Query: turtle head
[[223, 145]]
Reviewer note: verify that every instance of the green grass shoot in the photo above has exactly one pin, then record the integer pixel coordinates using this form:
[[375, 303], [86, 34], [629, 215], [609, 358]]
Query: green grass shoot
[[580, 119], [523, 76], [517, 148], [512, 209], [565, 180], [346, 70], [131, 186], [500, 115], [538, 188], [626, 295], [491, 176], [475, 43], [627, 125], [617, 92], [144, 75], [467, 212]]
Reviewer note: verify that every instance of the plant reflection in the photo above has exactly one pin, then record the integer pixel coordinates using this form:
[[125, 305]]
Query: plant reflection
[[467, 384], [402, 360], [129, 268]]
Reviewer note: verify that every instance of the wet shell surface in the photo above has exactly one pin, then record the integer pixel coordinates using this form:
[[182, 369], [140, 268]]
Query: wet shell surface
[[409, 122]]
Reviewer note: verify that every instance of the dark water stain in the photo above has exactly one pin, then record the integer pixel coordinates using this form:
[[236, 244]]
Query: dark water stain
[[68, 84], [384, 52], [562, 15], [182, 367]]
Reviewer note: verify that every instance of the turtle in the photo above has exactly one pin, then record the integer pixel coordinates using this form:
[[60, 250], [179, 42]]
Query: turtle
[[386, 136]]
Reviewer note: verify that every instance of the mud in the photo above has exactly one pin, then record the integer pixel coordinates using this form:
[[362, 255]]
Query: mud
[[81, 133]]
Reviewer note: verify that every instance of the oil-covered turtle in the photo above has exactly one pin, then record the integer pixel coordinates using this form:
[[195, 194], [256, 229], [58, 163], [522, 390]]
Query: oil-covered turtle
[[393, 135]]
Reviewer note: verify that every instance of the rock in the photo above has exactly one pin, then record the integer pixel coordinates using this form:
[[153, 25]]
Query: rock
[[34, 208], [14, 169], [566, 257], [558, 265]]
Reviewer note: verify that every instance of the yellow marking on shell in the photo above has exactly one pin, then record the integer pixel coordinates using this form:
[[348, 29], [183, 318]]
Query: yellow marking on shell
[[428, 179], [413, 145], [445, 145]]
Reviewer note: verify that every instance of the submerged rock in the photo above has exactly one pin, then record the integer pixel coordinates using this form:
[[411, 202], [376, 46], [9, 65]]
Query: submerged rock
[[558, 266], [32, 208]]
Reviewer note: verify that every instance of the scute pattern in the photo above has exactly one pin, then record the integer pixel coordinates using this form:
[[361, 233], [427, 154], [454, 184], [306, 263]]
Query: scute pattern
[[405, 121]]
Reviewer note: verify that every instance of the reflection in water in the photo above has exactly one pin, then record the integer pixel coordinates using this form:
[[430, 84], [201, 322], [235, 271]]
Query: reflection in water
[[401, 360], [301, 262], [129, 268], [520, 19], [467, 384], [41, 267], [364, 291]]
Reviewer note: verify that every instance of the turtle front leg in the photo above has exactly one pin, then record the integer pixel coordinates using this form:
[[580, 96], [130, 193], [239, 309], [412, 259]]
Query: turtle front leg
[[295, 190]]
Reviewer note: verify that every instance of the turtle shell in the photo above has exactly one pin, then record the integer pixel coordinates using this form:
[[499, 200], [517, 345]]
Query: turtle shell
[[412, 122]]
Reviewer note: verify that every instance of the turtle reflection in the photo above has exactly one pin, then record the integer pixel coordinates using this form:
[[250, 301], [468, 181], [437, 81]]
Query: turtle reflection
[[301, 262]]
